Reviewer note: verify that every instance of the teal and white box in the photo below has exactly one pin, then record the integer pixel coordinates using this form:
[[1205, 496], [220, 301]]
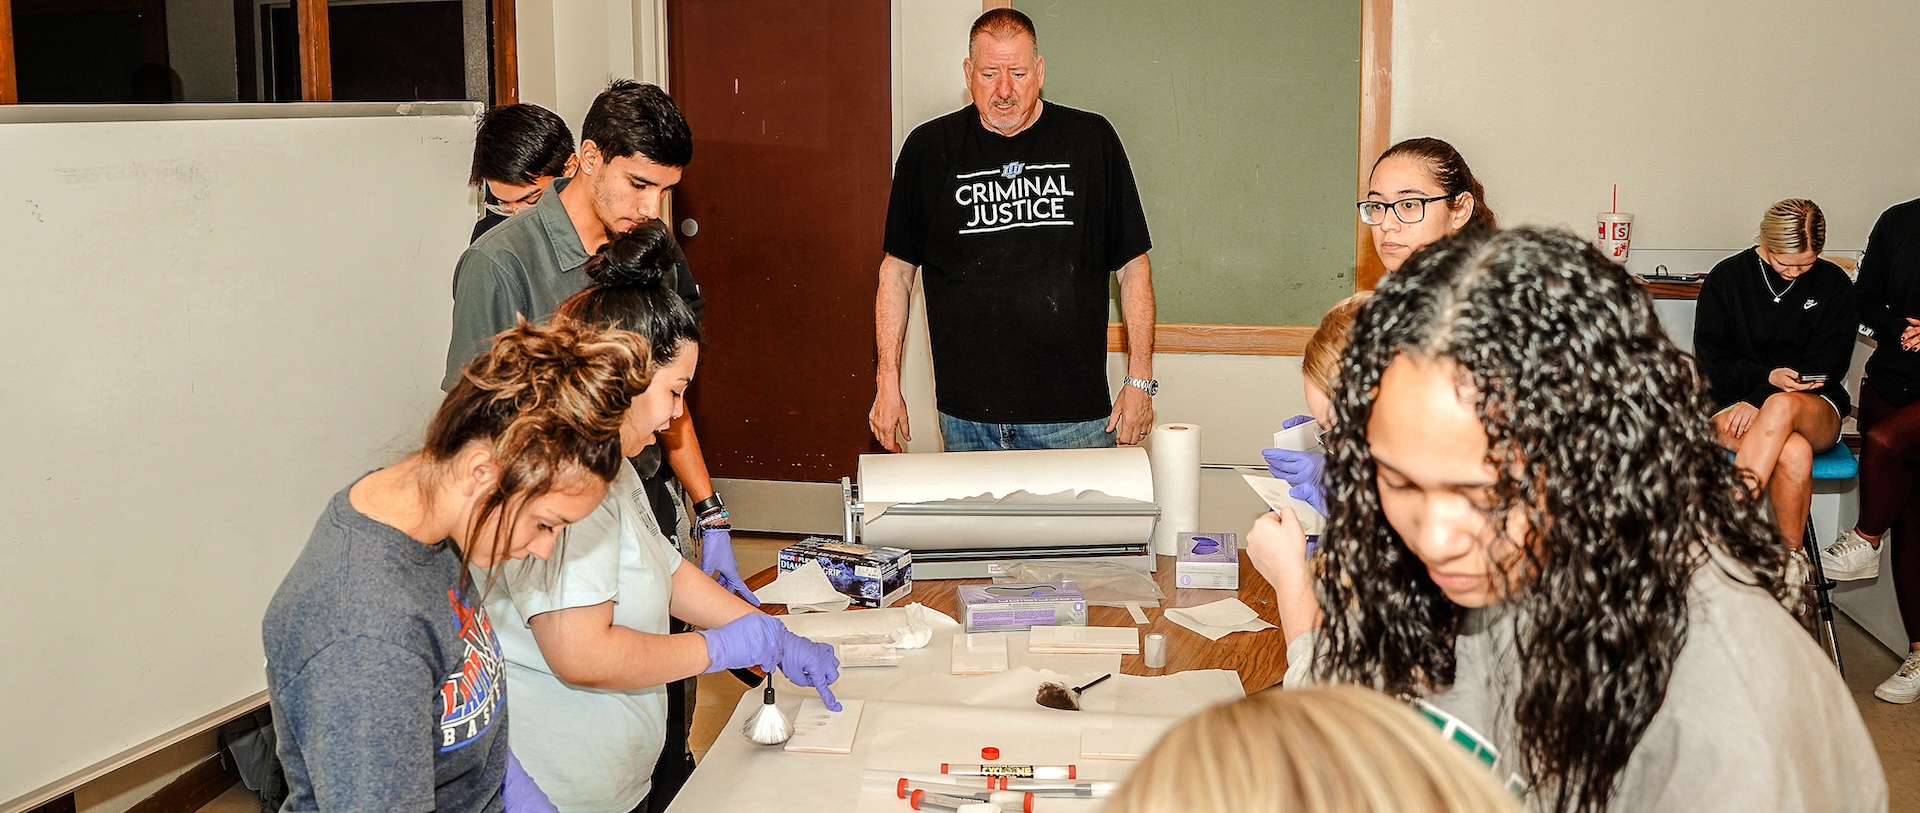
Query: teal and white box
[[1208, 561]]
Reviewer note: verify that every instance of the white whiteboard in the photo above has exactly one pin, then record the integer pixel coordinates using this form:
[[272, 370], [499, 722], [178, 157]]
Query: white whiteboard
[[213, 325]]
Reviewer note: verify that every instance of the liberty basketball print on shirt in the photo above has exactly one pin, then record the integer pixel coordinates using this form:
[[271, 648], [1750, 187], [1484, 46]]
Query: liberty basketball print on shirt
[[470, 697]]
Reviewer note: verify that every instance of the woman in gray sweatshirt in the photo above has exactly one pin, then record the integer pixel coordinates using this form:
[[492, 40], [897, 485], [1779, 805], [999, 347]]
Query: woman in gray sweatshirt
[[1534, 536]]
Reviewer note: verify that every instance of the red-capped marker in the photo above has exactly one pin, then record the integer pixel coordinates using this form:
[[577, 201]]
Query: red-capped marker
[[989, 753]]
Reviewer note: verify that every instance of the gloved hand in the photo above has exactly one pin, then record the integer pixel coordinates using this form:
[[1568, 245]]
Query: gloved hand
[[1303, 471], [753, 639], [1295, 421], [812, 664], [519, 793], [716, 560]]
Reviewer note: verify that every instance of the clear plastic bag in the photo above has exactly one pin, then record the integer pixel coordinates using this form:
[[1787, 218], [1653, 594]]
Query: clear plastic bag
[[1105, 584]]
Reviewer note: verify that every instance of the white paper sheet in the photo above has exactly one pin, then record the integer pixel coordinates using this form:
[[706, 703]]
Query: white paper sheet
[[902, 626], [1106, 476], [1219, 619], [1301, 437], [981, 653], [916, 738], [804, 589], [1273, 491]]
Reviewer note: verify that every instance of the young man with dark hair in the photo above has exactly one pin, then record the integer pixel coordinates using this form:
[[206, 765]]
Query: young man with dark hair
[[518, 150]]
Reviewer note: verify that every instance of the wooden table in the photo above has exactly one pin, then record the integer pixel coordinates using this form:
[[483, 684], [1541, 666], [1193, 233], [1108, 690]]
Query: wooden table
[[1259, 657]]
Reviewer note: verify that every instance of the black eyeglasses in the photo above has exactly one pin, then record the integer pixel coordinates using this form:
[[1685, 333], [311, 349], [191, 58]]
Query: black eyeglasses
[[1409, 210]]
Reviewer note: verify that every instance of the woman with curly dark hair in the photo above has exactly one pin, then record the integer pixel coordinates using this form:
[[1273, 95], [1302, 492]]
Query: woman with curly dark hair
[[1534, 533]]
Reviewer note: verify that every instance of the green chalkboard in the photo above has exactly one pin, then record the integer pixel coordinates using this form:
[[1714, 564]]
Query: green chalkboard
[[1241, 118]]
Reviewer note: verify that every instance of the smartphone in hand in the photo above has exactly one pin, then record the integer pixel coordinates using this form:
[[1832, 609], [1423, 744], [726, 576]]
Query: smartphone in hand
[[1813, 379]]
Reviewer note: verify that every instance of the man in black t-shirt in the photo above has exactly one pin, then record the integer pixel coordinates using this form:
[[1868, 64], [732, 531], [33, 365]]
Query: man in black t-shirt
[[1018, 212]]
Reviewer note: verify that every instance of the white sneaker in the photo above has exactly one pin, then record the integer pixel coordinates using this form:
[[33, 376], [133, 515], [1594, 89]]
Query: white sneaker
[[1904, 686], [1850, 557]]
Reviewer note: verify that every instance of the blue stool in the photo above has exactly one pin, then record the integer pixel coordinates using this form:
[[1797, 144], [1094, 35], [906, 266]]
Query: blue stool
[[1836, 463]]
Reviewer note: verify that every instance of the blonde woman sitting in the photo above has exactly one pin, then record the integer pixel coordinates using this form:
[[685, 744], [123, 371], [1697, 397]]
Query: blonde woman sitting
[[1774, 333]]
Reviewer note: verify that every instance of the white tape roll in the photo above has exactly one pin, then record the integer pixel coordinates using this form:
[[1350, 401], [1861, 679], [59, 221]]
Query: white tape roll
[[1155, 651], [1174, 453]]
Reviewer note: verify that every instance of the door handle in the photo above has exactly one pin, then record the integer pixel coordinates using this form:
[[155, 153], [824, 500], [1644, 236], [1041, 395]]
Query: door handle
[[689, 227]]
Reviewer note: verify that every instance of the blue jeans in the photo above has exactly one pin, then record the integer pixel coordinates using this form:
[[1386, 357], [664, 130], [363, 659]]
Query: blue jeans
[[971, 436]]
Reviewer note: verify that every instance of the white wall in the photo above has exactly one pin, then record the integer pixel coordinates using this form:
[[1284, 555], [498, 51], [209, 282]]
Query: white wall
[[200, 47], [1704, 112], [569, 49]]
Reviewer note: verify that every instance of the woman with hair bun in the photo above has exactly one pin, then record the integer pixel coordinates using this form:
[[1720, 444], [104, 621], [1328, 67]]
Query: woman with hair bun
[[1535, 532], [1774, 333], [1406, 183], [383, 666], [587, 639]]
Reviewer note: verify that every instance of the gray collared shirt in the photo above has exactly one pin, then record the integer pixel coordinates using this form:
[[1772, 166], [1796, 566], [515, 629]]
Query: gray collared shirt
[[525, 266]]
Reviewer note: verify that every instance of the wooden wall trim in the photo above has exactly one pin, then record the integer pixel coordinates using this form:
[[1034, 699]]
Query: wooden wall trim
[[506, 53], [194, 789], [1232, 340], [316, 54], [1376, 105], [9, 79]]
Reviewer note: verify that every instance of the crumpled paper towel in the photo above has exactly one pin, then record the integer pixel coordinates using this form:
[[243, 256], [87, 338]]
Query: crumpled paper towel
[[804, 589], [1219, 619], [917, 631]]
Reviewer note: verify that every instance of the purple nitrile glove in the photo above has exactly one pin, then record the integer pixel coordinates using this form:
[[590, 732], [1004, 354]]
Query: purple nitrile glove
[[1295, 421], [812, 664], [1301, 470], [753, 639], [716, 560], [520, 794]]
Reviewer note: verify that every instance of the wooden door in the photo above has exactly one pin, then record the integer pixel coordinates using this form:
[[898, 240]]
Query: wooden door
[[791, 110]]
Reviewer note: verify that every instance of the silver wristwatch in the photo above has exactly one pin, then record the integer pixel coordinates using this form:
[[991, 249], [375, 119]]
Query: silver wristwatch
[[1151, 386]]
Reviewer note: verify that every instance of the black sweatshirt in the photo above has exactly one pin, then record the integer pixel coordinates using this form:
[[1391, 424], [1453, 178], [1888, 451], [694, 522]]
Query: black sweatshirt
[[1888, 293], [1741, 334]]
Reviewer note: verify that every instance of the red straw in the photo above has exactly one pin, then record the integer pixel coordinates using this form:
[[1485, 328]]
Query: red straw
[[1616, 199]]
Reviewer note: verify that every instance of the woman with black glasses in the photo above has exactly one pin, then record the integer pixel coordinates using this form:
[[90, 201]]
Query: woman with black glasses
[[1407, 181]]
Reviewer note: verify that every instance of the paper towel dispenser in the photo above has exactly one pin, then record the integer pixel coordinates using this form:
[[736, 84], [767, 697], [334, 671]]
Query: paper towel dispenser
[[961, 512]]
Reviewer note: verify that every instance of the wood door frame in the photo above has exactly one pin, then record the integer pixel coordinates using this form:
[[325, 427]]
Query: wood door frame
[[9, 76], [1376, 104], [502, 50], [316, 50], [505, 45]]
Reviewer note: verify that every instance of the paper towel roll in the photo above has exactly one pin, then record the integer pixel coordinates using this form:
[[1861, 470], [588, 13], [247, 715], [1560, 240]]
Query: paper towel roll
[[1174, 453]]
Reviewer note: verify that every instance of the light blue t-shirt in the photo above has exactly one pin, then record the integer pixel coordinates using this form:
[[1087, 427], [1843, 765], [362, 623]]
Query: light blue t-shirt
[[591, 750]]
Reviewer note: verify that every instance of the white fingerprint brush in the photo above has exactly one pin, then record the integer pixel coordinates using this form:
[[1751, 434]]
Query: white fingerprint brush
[[768, 726]]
